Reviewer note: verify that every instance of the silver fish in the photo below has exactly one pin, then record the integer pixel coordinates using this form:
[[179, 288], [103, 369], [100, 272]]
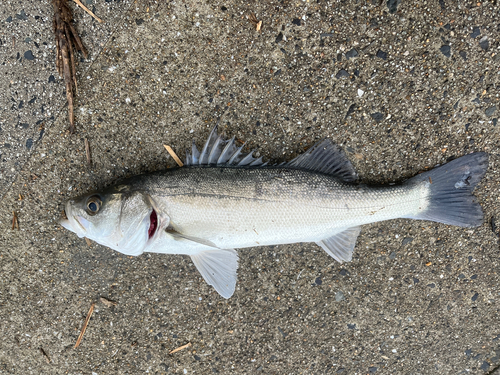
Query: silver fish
[[223, 200]]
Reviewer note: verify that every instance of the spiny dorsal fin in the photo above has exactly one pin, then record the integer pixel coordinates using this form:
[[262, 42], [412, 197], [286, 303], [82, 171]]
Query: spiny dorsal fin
[[328, 158], [218, 151]]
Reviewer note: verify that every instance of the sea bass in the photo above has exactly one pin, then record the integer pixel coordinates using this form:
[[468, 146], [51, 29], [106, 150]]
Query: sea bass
[[223, 200]]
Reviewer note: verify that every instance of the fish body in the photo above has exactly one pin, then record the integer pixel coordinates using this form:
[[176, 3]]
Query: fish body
[[223, 200]]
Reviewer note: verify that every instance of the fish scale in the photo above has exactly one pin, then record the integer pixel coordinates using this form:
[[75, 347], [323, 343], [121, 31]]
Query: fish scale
[[243, 207]]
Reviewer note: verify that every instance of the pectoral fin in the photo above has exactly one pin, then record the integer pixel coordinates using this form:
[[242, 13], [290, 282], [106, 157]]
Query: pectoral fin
[[340, 246], [178, 235], [218, 268]]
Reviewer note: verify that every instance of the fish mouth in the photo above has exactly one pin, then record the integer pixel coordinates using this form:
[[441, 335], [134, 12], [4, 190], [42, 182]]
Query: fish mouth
[[153, 224], [72, 223]]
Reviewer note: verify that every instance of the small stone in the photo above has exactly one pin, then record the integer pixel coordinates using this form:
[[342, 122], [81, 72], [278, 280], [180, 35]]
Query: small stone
[[360, 93], [351, 109], [446, 50], [415, 280], [476, 31], [351, 54], [139, 21], [463, 55], [372, 370], [382, 55], [279, 38], [485, 366], [392, 255], [223, 8], [341, 74], [377, 116], [28, 55], [296, 21], [432, 285], [484, 43], [318, 281], [339, 296], [392, 5], [29, 143], [489, 111], [8, 19], [494, 226], [22, 16], [351, 326], [407, 240], [474, 297]]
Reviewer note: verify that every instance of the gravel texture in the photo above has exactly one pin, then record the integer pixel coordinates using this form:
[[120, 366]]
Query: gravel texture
[[401, 86]]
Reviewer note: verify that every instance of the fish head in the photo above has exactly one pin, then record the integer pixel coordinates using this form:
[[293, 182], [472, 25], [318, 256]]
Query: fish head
[[121, 220]]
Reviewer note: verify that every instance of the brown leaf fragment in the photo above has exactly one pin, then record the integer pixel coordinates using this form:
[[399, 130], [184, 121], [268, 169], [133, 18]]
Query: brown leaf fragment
[[66, 36], [254, 21], [180, 348], [108, 302], [87, 319], [89, 243], [44, 353]]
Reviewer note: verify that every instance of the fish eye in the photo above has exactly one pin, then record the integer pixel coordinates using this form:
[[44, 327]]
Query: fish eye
[[94, 203]]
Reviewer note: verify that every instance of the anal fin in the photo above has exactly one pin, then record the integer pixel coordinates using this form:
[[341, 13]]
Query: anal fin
[[340, 246], [218, 268]]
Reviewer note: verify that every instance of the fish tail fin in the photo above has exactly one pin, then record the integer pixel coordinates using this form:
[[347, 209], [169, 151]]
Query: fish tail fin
[[449, 191]]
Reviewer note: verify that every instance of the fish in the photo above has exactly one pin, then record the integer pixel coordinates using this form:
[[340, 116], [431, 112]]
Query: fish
[[223, 199]]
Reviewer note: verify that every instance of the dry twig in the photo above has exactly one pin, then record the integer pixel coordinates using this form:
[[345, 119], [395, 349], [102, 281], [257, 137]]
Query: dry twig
[[180, 348], [87, 319], [79, 3], [44, 353], [15, 222], [174, 155], [108, 302], [66, 36], [87, 151]]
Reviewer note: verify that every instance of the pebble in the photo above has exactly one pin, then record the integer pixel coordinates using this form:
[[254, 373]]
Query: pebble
[[476, 31], [484, 43], [377, 116], [341, 73], [351, 54], [382, 55], [339, 296], [446, 50], [28, 55], [490, 111]]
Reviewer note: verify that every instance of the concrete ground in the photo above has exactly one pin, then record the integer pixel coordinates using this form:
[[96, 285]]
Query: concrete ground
[[402, 87]]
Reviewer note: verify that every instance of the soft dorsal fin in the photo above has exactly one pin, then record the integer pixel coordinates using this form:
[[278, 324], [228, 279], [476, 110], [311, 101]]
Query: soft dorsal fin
[[328, 158], [218, 151], [218, 268], [340, 246]]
